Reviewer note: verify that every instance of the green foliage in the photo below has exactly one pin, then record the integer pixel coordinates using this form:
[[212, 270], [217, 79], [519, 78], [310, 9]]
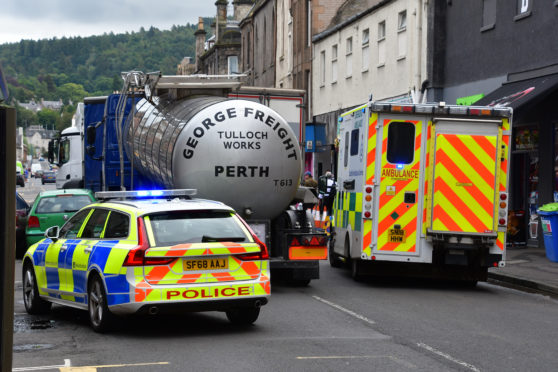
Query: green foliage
[[77, 67]]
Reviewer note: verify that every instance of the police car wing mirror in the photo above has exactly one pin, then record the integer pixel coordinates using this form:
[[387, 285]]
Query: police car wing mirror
[[52, 233], [91, 135]]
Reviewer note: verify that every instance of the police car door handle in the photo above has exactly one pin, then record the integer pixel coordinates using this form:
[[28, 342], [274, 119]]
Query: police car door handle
[[64, 247], [88, 249]]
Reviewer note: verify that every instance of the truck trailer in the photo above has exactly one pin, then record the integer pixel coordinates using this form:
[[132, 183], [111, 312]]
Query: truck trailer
[[176, 132]]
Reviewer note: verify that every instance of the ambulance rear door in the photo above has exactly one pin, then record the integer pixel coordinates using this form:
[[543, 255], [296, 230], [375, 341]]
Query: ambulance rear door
[[399, 186], [350, 179]]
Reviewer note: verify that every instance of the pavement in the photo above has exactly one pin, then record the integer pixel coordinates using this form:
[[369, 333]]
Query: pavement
[[527, 268]]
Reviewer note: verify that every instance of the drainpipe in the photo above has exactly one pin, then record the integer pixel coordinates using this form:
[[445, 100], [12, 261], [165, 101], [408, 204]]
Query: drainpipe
[[418, 46]]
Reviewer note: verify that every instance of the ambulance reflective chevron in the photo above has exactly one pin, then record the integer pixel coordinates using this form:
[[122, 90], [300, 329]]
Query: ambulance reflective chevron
[[145, 252], [423, 190]]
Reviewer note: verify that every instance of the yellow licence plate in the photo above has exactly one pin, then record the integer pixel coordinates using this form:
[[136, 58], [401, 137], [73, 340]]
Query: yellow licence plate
[[396, 236], [206, 264]]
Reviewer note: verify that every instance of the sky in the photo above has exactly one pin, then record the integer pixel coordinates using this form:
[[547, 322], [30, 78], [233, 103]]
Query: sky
[[40, 19]]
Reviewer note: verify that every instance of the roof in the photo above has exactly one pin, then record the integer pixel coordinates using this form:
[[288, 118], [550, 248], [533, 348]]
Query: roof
[[351, 11], [66, 191], [147, 206]]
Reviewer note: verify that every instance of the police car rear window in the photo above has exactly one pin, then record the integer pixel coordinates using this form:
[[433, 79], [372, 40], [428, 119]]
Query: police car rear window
[[196, 227], [62, 203]]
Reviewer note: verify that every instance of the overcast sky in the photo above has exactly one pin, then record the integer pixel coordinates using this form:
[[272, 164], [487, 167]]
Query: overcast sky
[[39, 19]]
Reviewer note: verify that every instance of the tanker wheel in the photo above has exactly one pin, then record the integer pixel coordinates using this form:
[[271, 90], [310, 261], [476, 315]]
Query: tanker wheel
[[299, 282]]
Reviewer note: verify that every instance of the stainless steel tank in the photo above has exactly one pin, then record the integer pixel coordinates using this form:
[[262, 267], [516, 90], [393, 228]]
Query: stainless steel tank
[[239, 152]]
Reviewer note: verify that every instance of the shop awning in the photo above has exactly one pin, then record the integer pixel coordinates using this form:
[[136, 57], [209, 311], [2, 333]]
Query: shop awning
[[519, 94]]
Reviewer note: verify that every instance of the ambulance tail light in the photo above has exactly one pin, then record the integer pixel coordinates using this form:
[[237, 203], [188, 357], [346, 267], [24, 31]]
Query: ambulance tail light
[[33, 222], [263, 254], [503, 210], [368, 199]]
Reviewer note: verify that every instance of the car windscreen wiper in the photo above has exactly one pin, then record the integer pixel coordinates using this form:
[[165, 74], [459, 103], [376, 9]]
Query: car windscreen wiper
[[206, 239]]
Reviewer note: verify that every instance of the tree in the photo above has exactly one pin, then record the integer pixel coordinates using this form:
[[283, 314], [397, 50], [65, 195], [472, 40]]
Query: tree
[[48, 118]]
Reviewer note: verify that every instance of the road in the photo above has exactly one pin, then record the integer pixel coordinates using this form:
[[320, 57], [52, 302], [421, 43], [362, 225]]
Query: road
[[333, 324], [32, 187]]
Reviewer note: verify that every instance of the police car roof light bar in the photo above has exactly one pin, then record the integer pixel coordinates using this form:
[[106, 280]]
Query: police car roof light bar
[[147, 194]]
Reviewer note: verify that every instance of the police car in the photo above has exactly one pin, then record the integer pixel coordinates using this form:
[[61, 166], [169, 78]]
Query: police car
[[145, 252]]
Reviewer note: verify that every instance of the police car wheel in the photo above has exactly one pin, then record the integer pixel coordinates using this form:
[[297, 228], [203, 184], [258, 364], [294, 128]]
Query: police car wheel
[[100, 316], [34, 304], [244, 316]]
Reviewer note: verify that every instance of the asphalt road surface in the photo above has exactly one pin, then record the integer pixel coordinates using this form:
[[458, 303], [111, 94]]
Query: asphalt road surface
[[335, 324]]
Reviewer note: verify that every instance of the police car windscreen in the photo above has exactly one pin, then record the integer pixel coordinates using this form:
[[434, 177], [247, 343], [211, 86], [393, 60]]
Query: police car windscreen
[[62, 204], [195, 227]]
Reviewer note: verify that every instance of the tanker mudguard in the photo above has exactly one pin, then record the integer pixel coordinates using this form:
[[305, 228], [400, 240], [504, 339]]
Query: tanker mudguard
[[423, 185]]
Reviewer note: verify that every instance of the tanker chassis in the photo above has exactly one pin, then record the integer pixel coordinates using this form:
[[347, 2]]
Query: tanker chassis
[[192, 132]]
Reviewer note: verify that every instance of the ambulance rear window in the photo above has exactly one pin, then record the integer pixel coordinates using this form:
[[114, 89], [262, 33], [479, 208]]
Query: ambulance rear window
[[401, 143]]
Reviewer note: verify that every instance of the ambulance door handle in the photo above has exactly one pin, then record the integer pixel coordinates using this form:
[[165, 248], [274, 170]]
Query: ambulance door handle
[[349, 185]]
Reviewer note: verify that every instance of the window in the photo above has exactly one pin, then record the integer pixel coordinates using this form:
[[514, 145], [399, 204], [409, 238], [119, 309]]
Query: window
[[354, 142], [71, 229], [382, 30], [402, 35], [62, 204], [401, 143], [402, 21], [117, 226], [334, 64], [232, 65], [381, 43], [365, 50], [95, 225], [488, 15], [64, 151], [349, 58], [346, 155], [196, 227], [523, 9]]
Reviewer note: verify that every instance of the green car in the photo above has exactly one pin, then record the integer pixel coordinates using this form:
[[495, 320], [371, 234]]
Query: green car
[[54, 208]]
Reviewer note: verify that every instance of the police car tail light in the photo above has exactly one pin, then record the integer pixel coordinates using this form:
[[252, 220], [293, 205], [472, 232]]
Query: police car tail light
[[263, 254], [33, 222], [137, 254]]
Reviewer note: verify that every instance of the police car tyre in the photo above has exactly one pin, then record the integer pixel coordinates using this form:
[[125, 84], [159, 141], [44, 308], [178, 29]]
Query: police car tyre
[[244, 316], [34, 304], [100, 317]]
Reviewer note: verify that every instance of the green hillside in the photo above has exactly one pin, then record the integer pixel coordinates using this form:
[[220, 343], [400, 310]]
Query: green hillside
[[71, 68]]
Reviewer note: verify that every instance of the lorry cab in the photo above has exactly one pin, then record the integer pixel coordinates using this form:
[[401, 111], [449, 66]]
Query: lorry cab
[[68, 150], [423, 184]]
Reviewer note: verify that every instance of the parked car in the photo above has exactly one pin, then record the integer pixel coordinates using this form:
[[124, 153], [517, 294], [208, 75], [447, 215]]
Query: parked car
[[54, 208], [36, 170], [22, 208], [20, 179], [48, 177]]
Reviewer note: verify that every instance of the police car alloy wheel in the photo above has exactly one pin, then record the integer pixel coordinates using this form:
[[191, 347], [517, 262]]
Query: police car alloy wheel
[[100, 316], [34, 304]]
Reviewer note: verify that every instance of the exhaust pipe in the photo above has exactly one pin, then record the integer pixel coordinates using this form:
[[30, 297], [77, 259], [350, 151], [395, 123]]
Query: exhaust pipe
[[153, 310]]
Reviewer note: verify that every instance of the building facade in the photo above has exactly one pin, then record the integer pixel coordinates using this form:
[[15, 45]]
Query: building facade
[[380, 50], [504, 52]]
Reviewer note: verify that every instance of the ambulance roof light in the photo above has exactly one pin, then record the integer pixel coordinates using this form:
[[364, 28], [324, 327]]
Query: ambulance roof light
[[458, 110], [139, 194]]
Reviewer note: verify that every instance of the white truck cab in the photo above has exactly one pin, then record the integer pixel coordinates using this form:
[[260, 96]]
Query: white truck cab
[[70, 153]]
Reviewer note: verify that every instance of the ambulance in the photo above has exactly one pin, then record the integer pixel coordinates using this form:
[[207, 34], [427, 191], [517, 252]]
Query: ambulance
[[422, 190]]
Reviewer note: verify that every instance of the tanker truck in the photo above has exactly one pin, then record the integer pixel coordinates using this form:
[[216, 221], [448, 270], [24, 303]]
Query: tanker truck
[[176, 132]]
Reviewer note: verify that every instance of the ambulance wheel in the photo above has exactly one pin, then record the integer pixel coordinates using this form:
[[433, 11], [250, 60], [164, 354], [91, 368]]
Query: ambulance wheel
[[100, 317], [34, 304], [356, 269], [245, 316], [334, 259]]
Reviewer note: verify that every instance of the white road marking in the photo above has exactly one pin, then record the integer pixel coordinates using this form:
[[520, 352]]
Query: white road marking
[[448, 357], [67, 367], [395, 359], [66, 364], [347, 311]]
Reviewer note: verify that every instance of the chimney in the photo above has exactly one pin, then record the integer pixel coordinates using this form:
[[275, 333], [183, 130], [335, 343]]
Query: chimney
[[221, 21], [241, 9], [200, 42]]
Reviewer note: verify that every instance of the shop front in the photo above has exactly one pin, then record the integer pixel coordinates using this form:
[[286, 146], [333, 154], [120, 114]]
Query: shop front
[[534, 159]]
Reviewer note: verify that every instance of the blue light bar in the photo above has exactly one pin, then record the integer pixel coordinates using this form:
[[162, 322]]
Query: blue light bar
[[138, 194], [399, 166]]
